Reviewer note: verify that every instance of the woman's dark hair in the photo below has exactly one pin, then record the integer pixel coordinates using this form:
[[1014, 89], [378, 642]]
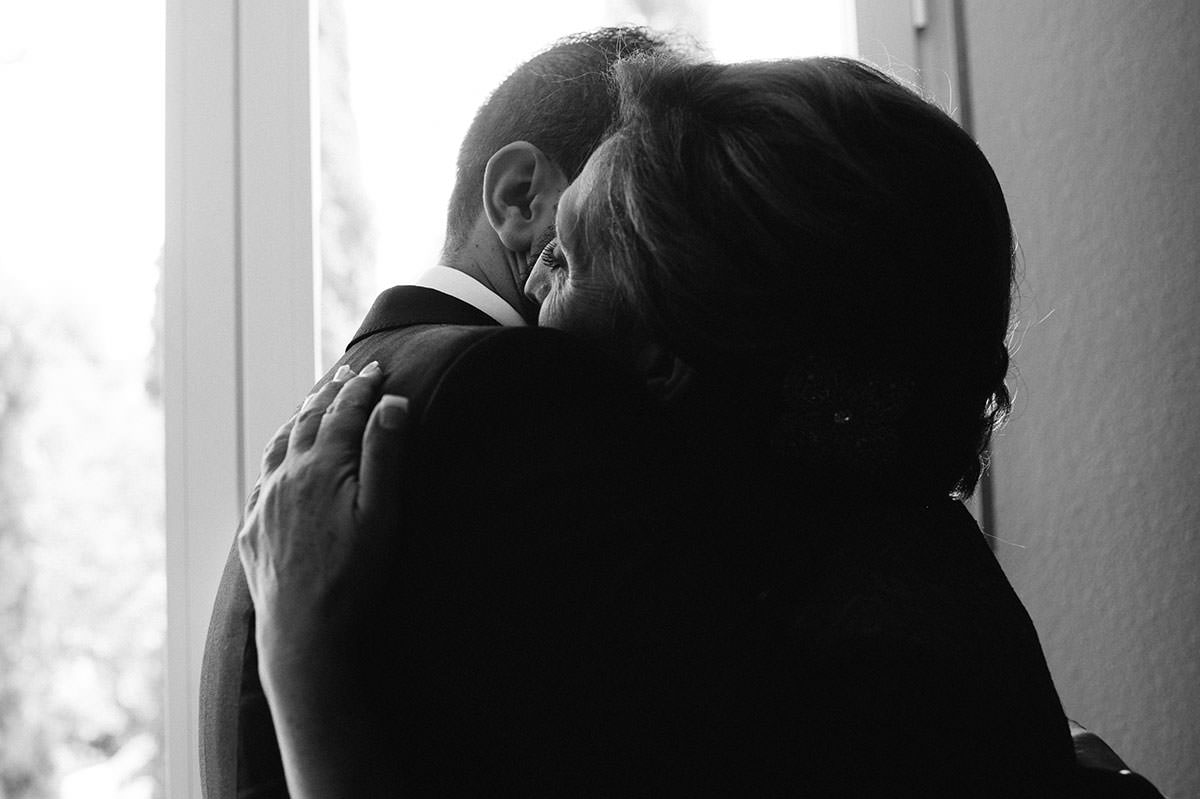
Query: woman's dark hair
[[815, 218]]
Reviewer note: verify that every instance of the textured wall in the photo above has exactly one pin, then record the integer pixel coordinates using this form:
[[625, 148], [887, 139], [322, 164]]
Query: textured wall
[[1090, 112]]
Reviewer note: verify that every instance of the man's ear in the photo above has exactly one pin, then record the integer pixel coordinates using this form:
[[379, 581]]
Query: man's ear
[[668, 377], [521, 187]]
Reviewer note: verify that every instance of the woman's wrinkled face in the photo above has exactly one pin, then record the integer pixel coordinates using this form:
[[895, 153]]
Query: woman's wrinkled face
[[572, 292]]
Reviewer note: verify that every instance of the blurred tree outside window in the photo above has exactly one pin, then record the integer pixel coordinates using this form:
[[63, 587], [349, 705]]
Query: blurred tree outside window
[[82, 589]]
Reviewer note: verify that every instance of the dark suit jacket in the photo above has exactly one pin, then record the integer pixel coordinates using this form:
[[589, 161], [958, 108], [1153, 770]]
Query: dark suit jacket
[[527, 475], [588, 604]]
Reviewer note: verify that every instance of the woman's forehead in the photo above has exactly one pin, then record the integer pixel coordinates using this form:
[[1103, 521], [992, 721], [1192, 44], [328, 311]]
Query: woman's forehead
[[567, 215], [571, 202]]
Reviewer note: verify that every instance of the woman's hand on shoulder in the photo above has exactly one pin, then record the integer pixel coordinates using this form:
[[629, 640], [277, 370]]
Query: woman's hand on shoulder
[[317, 544], [319, 535]]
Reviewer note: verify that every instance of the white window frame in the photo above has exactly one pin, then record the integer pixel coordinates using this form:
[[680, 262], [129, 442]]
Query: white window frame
[[241, 280], [240, 295]]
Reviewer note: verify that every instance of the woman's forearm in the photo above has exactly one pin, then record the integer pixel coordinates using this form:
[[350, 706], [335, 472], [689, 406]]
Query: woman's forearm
[[328, 722]]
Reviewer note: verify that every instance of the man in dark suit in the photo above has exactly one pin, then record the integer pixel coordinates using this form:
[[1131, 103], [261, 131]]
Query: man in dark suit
[[523, 148]]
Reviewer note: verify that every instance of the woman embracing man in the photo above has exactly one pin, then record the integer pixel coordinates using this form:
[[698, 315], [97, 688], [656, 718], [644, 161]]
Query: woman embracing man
[[722, 549]]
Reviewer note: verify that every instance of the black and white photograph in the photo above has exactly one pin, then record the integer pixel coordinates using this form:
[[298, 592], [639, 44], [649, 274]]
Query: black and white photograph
[[602, 398]]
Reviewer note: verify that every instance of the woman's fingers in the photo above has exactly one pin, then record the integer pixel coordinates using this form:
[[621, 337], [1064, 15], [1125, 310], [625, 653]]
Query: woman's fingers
[[273, 455], [308, 419], [305, 537], [383, 456], [341, 429], [276, 449], [247, 547]]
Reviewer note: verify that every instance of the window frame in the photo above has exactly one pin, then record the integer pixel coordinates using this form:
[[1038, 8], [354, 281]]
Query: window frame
[[240, 297]]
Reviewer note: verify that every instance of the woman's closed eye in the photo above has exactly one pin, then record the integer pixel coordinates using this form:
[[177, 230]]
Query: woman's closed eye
[[548, 273], [552, 256]]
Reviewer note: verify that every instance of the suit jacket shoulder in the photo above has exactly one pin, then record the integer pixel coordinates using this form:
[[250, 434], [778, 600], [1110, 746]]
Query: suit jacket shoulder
[[498, 413], [238, 754], [406, 306]]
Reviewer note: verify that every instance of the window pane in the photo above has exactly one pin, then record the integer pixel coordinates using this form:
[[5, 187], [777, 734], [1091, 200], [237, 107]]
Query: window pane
[[400, 84], [81, 436]]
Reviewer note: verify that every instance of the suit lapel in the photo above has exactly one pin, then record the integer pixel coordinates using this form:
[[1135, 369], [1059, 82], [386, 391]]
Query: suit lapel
[[405, 306]]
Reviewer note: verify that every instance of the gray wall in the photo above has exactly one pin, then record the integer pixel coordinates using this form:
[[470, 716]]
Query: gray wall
[[1090, 112]]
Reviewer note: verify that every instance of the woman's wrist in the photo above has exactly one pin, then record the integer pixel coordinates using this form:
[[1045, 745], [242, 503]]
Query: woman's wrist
[[295, 652], [325, 714]]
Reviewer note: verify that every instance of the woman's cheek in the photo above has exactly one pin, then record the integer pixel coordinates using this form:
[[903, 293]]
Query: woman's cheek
[[552, 310]]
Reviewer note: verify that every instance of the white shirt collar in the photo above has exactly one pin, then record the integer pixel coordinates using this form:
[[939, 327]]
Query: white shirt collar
[[463, 287]]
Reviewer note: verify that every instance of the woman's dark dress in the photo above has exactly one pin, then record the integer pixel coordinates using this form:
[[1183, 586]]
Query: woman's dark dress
[[804, 640]]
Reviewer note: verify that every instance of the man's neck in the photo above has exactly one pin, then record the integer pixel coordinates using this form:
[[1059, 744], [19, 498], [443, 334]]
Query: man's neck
[[501, 270], [473, 269], [467, 289]]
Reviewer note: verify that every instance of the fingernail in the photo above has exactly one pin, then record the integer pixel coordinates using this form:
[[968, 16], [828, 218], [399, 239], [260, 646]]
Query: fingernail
[[308, 401], [393, 411], [369, 369], [341, 374]]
